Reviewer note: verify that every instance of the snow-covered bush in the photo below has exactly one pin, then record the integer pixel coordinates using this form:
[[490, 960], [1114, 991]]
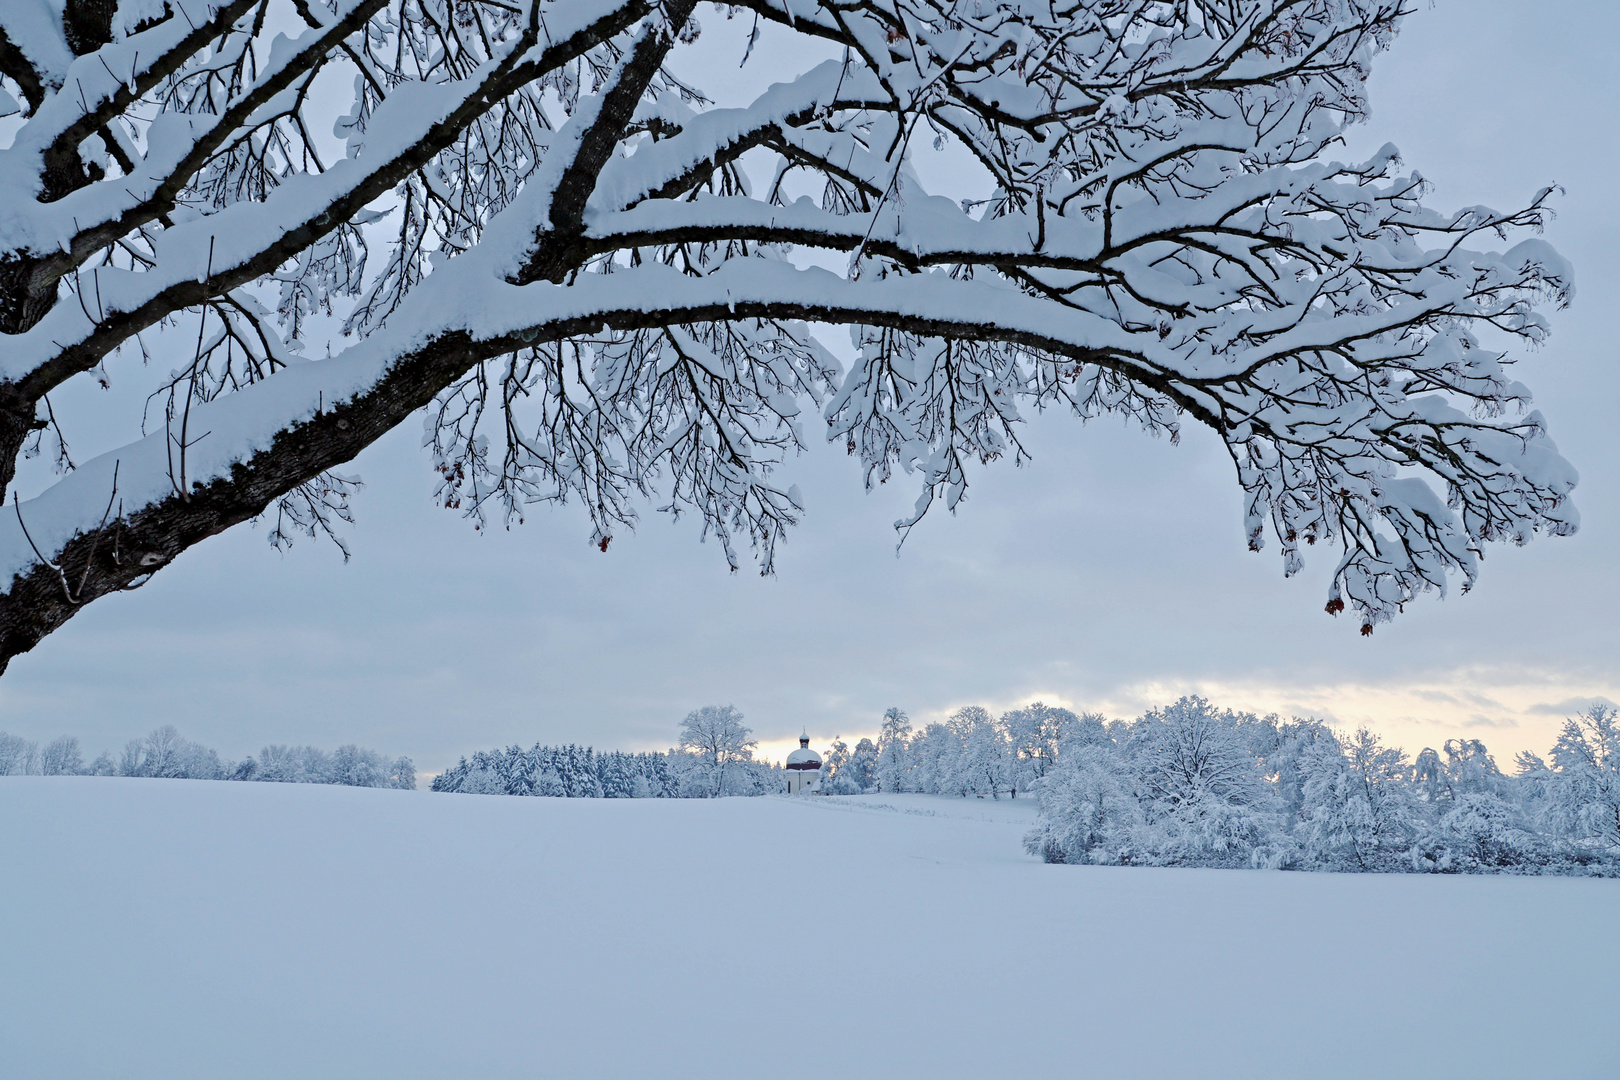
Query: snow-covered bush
[[1089, 810]]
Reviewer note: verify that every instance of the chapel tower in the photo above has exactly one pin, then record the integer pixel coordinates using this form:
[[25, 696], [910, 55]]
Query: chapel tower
[[803, 769]]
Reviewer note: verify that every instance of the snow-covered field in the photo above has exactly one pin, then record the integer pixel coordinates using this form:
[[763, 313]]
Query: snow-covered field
[[177, 929]]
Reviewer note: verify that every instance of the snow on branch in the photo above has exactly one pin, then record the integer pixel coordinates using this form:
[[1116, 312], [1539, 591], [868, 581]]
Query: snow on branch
[[595, 276]]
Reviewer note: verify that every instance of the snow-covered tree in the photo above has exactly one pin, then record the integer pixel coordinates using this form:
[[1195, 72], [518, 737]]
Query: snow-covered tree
[[617, 775], [165, 754], [576, 766], [594, 276], [359, 767], [718, 738], [985, 766], [1089, 729], [1185, 788], [837, 778], [18, 756], [1035, 733], [893, 750], [482, 780], [1359, 809], [61, 757], [1205, 799], [1089, 812], [1291, 760], [1482, 829], [292, 765], [1429, 776], [935, 755], [862, 768], [352, 765], [1584, 784], [654, 770], [402, 774], [1189, 785]]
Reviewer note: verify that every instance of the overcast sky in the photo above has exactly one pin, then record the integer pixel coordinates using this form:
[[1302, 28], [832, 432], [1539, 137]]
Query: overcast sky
[[1110, 574]]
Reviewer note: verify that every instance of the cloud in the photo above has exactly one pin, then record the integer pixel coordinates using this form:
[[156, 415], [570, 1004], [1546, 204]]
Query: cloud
[[1480, 720], [1313, 712], [1570, 706], [1459, 698]]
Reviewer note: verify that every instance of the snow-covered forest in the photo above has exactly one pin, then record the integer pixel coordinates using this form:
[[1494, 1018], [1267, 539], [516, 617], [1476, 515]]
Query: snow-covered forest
[[581, 773], [1192, 785], [1183, 785], [165, 754], [715, 758]]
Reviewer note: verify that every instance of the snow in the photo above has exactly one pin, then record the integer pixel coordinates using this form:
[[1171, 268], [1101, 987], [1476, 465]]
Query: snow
[[1172, 242], [193, 929]]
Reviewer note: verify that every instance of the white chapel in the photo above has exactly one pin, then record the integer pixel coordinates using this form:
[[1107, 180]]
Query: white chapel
[[803, 769]]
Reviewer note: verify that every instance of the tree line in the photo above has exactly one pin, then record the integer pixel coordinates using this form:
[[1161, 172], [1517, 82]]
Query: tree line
[[715, 757], [1184, 785], [1193, 785], [166, 754], [970, 753]]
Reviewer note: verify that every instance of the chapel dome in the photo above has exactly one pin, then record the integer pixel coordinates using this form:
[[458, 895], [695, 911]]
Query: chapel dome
[[804, 757]]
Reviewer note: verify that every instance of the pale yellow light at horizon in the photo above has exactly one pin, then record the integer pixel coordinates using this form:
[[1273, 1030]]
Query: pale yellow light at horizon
[[1509, 712]]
